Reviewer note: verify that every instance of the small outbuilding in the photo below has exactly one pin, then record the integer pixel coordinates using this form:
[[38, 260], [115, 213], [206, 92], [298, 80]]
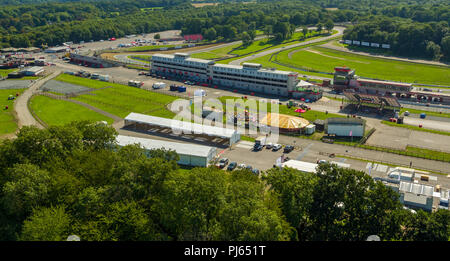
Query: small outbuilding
[[345, 127]]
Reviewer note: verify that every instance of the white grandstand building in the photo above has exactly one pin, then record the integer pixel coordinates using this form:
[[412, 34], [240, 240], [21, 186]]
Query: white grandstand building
[[250, 76]]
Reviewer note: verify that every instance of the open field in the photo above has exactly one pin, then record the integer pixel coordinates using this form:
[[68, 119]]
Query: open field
[[60, 112], [7, 121], [121, 99], [323, 59], [5, 72]]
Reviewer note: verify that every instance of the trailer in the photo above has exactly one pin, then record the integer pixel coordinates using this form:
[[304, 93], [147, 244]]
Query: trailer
[[104, 78], [135, 83], [159, 85]]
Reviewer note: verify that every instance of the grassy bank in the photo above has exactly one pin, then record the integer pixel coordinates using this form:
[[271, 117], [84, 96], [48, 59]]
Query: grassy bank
[[60, 112], [323, 59], [7, 120]]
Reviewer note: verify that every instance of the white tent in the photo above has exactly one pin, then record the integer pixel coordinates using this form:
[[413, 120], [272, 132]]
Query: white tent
[[304, 84]]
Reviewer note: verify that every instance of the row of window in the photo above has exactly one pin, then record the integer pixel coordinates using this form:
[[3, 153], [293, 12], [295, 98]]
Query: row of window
[[250, 81], [251, 77], [157, 63]]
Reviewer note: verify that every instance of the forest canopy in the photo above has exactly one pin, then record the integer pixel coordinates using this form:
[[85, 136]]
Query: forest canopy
[[74, 180]]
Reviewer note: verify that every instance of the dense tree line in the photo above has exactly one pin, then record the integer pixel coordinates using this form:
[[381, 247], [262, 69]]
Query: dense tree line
[[431, 39], [53, 23], [73, 180]]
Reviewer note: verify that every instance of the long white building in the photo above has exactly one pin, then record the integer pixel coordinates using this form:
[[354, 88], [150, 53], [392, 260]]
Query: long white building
[[249, 76]]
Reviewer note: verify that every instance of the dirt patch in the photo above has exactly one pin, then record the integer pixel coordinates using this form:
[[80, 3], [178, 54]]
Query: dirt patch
[[203, 4]]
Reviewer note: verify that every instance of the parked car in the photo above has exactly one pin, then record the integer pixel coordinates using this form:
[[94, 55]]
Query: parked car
[[249, 167], [241, 166], [257, 147], [269, 145], [288, 148], [276, 147], [255, 171], [222, 163], [232, 166], [322, 161], [142, 73]]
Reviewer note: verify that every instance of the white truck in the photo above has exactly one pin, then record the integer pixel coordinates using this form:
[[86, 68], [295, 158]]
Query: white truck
[[135, 83], [104, 78], [159, 85]]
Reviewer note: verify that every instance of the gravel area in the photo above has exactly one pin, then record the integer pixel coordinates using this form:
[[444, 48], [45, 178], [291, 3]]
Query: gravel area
[[14, 84], [63, 87]]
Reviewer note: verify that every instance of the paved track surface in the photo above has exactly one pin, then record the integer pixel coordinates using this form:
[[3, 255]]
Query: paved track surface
[[260, 54], [23, 114]]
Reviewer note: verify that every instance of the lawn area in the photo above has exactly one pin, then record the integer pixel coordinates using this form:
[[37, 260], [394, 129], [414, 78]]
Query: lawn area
[[310, 115], [141, 57], [415, 128], [7, 121], [216, 53], [94, 84], [121, 99], [60, 112], [432, 154], [5, 72], [270, 43], [323, 59]]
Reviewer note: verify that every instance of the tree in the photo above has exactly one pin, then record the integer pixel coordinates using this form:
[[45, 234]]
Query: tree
[[295, 190], [433, 50], [210, 34], [445, 43], [319, 27], [305, 31], [47, 224], [157, 37], [28, 187], [246, 39], [329, 25]]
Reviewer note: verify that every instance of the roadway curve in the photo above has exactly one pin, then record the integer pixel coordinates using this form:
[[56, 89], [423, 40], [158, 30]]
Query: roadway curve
[[23, 114], [340, 30]]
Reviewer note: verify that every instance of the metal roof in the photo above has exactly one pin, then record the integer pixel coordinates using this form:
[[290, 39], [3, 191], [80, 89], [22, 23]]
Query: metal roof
[[180, 148], [186, 127], [418, 189], [413, 198], [300, 165]]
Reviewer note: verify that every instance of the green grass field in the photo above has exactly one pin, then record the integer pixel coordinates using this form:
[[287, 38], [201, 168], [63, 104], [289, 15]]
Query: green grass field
[[323, 59], [217, 53], [121, 99], [141, 57], [269, 43], [60, 112], [5, 72], [7, 121]]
